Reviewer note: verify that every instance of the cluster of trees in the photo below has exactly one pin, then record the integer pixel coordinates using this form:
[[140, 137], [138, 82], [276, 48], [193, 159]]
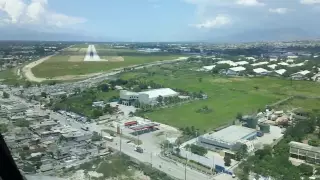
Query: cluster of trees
[[5, 95], [3, 128], [274, 162], [201, 151], [204, 109], [22, 123]]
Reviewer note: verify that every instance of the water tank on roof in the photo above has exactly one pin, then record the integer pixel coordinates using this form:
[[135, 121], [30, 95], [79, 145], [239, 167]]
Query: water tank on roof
[[252, 122], [265, 128]]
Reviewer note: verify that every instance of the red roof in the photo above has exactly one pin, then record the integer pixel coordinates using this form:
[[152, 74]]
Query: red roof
[[130, 123]]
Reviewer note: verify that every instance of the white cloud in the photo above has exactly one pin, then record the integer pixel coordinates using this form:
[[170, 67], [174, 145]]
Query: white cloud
[[217, 22], [279, 10], [310, 2], [34, 12], [250, 3]]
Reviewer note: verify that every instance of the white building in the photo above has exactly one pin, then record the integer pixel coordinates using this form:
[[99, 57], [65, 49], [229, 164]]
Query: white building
[[261, 71], [228, 138], [292, 57], [235, 71], [283, 64], [231, 63], [300, 75], [280, 71], [241, 63], [207, 68], [260, 63], [272, 66], [150, 97], [146, 97]]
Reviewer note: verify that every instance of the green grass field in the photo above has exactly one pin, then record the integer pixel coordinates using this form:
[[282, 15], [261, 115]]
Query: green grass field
[[307, 104], [227, 96], [60, 66], [9, 77]]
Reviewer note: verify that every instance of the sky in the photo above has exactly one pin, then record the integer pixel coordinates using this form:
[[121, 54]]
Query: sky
[[159, 20]]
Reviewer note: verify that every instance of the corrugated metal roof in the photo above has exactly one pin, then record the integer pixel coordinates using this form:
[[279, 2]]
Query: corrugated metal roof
[[159, 92]]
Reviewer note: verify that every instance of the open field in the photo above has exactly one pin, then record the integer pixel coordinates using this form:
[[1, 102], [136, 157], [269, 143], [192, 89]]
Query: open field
[[61, 65], [10, 77], [307, 104], [226, 96]]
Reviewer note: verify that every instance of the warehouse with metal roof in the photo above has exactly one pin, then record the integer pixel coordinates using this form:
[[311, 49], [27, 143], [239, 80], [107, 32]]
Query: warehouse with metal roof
[[227, 138]]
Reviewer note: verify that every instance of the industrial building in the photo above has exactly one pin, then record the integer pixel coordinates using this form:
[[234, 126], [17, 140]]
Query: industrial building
[[145, 97], [230, 138], [305, 152]]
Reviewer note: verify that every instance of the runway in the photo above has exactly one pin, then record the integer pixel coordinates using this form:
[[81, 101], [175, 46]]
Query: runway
[[91, 54]]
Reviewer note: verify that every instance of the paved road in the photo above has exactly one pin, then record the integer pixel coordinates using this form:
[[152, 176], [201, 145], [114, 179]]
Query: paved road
[[176, 170]]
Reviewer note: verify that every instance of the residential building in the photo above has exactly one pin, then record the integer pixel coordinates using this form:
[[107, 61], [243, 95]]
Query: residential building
[[260, 63], [280, 71], [304, 152], [301, 75], [235, 71], [261, 71]]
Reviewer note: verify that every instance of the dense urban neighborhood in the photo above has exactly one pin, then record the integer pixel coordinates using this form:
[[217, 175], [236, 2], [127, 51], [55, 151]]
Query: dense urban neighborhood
[[162, 110]]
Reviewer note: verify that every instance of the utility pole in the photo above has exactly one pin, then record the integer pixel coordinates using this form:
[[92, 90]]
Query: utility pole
[[151, 159], [185, 168]]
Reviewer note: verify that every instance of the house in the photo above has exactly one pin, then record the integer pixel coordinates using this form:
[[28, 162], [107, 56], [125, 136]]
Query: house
[[235, 71], [292, 57], [231, 63], [58, 94], [272, 66], [301, 75], [280, 71], [261, 71], [241, 63], [207, 68], [260, 63], [283, 64], [273, 59], [98, 104]]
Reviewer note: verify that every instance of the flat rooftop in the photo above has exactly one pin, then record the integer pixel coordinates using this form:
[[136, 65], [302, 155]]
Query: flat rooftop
[[230, 134], [159, 92]]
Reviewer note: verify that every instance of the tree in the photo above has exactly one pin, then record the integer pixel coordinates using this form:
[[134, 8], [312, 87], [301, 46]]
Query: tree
[[160, 99], [200, 79], [227, 160], [306, 170], [5, 95], [27, 84], [22, 123], [44, 94], [3, 128], [239, 116], [96, 113], [198, 150]]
